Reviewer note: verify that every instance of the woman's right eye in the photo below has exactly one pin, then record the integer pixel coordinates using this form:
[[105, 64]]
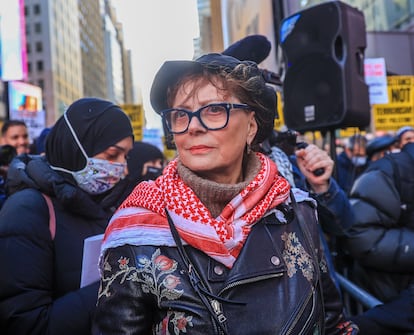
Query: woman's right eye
[[216, 109], [179, 114]]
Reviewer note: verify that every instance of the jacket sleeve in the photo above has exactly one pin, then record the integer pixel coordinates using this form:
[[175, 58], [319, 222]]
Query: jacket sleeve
[[28, 304], [334, 210], [123, 307], [376, 239], [334, 320]]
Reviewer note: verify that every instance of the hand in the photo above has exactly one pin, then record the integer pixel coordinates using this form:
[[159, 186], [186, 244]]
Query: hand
[[310, 159]]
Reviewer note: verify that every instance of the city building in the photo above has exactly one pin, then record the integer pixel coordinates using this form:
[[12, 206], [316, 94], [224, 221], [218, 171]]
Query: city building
[[92, 47], [54, 53], [75, 48]]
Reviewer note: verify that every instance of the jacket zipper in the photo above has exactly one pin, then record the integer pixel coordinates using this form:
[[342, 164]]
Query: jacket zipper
[[248, 281], [216, 305], [299, 314]]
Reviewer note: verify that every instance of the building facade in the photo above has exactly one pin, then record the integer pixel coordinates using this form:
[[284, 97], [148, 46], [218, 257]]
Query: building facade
[[75, 49], [92, 46], [54, 54]]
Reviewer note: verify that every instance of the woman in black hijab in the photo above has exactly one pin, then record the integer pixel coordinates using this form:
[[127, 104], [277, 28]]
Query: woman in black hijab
[[41, 247]]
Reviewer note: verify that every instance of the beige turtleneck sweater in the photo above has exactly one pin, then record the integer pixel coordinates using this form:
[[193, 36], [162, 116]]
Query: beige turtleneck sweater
[[216, 196]]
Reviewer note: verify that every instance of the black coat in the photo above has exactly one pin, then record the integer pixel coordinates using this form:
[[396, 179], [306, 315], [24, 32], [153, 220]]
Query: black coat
[[39, 285], [382, 238], [272, 288]]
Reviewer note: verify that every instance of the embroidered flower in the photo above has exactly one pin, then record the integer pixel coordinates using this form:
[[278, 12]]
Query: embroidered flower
[[163, 263], [180, 322], [143, 261], [170, 282], [296, 257], [123, 262], [153, 274]]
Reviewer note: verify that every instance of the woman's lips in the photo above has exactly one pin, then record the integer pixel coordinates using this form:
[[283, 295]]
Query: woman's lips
[[200, 149]]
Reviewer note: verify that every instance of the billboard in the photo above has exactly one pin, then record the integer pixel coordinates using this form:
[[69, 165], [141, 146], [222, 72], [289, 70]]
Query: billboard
[[25, 103], [13, 56]]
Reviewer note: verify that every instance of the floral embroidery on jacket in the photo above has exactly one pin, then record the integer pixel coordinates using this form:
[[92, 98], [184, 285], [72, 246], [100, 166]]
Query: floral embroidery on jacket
[[155, 275], [296, 257], [178, 320]]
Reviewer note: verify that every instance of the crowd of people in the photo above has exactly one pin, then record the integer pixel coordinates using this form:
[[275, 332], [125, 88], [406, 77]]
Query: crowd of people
[[238, 234]]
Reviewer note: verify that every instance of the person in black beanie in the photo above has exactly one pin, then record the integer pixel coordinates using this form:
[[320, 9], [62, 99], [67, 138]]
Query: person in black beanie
[[145, 162]]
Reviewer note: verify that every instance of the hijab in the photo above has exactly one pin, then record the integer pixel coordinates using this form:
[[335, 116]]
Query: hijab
[[140, 154], [98, 124]]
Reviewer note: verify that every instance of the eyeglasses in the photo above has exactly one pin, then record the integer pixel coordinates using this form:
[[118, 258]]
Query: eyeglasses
[[212, 117]]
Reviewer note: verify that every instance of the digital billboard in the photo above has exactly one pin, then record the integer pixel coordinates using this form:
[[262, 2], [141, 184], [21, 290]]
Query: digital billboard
[[13, 56], [25, 103]]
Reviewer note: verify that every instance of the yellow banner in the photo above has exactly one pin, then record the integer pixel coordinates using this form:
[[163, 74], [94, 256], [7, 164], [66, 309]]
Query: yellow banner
[[279, 121], [136, 114], [399, 111]]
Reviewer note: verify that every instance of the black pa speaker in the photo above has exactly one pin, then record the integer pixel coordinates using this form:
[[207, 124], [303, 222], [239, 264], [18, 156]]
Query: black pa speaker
[[324, 86]]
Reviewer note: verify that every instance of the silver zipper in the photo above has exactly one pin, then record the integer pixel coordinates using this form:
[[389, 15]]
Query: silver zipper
[[218, 310], [299, 314], [250, 280]]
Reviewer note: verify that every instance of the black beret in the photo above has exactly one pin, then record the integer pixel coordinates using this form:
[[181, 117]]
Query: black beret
[[379, 143]]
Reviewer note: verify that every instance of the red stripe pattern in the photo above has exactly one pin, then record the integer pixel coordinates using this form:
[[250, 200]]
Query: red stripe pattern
[[141, 218]]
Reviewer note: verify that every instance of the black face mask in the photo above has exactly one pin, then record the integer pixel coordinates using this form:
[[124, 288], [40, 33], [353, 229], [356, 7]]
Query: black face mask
[[152, 173]]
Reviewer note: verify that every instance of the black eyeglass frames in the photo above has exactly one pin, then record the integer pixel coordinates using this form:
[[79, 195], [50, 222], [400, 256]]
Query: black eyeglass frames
[[213, 116]]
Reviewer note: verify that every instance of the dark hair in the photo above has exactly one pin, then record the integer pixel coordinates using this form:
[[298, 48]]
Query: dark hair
[[11, 123], [7, 153], [358, 139]]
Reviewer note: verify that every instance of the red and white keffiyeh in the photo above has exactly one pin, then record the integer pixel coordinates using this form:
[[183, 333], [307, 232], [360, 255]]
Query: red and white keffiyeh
[[141, 219]]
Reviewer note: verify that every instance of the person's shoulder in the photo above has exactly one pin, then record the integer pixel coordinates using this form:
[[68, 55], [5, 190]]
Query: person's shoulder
[[22, 212], [23, 195]]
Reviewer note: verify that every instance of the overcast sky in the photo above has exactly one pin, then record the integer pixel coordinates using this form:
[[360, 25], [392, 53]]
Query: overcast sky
[[155, 31]]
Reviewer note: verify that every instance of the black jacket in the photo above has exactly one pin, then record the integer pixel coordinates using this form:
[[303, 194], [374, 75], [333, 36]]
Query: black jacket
[[273, 288], [39, 285], [382, 238]]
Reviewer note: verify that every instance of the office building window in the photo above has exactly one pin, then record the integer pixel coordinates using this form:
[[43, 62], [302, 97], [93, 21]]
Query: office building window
[[36, 8], [38, 27], [39, 47], [39, 65]]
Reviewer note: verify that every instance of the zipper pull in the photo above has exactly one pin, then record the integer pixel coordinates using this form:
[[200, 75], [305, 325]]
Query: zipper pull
[[217, 309]]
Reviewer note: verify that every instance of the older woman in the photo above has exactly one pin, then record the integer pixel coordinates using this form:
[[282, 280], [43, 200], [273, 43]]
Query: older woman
[[216, 245]]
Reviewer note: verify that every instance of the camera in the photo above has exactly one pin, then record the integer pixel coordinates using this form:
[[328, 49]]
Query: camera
[[7, 153], [285, 140]]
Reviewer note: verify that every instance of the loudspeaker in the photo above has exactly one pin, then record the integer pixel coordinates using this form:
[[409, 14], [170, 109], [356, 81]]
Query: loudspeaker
[[324, 86]]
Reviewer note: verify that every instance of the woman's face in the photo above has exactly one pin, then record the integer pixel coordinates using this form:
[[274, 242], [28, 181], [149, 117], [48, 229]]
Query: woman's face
[[117, 152], [216, 155]]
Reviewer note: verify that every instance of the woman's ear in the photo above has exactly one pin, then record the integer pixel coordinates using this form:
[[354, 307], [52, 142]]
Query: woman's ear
[[252, 128]]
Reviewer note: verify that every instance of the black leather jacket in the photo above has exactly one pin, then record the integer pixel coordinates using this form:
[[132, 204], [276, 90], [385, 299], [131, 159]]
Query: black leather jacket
[[279, 285]]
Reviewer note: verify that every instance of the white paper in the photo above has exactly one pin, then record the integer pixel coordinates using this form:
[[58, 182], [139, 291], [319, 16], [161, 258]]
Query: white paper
[[376, 79], [91, 252]]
